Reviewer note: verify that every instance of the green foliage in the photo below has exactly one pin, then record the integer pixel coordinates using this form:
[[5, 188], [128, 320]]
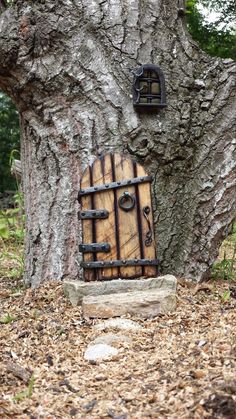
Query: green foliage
[[225, 8], [12, 224], [226, 268], [7, 319], [12, 230], [9, 140], [217, 38], [28, 392], [12, 221], [226, 296], [17, 272], [12, 237]]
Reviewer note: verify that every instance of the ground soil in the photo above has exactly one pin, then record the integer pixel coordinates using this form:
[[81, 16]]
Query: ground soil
[[180, 365]]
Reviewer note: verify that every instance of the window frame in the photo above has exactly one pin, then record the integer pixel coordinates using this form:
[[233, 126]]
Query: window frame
[[149, 78]]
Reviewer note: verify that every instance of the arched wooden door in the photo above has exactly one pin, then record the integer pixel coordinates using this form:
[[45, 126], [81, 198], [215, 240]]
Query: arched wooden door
[[117, 220]]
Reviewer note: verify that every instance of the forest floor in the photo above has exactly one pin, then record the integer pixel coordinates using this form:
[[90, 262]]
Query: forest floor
[[181, 365]]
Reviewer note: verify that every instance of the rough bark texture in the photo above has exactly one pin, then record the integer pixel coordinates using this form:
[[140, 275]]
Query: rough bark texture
[[66, 65]]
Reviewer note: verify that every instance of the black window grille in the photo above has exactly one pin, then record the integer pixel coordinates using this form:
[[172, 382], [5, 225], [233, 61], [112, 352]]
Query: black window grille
[[149, 88]]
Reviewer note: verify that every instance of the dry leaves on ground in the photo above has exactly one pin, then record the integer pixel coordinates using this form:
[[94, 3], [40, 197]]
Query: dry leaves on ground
[[179, 366]]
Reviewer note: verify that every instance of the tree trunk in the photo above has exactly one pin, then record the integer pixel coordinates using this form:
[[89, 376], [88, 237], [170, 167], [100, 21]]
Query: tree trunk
[[66, 64]]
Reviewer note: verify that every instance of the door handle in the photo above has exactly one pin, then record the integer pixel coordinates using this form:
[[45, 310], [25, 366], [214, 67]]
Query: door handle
[[126, 201], [146, 212]]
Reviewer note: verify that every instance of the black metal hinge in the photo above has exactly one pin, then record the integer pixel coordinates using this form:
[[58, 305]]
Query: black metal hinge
[[93, 214], [114, 185], [119, 263], [94, 247]]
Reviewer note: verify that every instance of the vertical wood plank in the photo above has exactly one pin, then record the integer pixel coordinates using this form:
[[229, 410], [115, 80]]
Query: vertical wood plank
[[144, 190], [87, 225], [106, 228], [127, 220]]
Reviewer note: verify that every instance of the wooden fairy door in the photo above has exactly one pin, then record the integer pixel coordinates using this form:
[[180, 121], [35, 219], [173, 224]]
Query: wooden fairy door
[[117, 220]]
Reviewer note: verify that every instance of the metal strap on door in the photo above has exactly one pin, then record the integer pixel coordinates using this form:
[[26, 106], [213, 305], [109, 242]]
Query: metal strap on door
[[114, 185], [119, 263]]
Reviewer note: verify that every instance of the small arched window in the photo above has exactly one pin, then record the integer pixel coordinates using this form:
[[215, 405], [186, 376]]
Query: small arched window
[[149, 88]]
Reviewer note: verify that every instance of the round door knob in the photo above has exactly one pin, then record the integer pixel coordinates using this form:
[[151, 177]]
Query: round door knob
[[126, 201]]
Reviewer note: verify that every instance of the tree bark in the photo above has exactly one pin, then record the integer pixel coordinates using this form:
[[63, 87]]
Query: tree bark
[[66, 64]]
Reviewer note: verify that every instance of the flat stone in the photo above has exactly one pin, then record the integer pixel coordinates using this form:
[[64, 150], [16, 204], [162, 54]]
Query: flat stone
[[120, 324], [100, 352], [111, 338], [76, 290], [145, 304]]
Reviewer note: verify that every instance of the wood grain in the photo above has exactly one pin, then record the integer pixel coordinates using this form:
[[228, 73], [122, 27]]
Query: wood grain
[[127, 220], [105, 228], [149, 252]]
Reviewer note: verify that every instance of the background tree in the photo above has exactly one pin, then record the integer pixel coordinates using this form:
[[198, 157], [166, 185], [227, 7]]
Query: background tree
[[66, 66], [217, 38], [225, 8], [9, 140]]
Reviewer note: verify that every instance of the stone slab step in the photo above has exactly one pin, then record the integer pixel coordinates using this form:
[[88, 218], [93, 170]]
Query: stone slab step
[[76, 290], [145, 304]]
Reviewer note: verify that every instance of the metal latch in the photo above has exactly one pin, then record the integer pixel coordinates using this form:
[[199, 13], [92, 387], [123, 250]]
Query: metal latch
[[93, 214], [94, 247]]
